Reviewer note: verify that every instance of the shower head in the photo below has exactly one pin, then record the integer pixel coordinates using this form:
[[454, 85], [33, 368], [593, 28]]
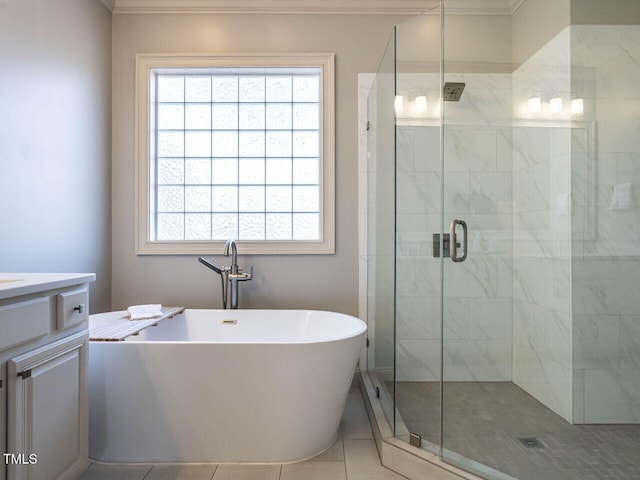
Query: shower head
[[452, 91]]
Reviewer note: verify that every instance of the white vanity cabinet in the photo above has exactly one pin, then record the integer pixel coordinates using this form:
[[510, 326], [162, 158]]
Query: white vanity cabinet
[[47, 417], [44, 343]]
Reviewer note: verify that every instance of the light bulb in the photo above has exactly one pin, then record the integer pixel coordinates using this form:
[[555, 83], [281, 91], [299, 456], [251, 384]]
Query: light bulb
[[555, 105], [577, 106], [534, 105], [421, 104]]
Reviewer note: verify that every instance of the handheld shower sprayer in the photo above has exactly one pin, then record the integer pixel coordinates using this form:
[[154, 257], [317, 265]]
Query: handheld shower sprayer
[[207, 263]]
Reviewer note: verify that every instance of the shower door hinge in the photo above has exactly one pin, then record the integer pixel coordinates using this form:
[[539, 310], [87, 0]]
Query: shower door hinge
[[368, 125], [377, 392], [367, 342], [415, 440]]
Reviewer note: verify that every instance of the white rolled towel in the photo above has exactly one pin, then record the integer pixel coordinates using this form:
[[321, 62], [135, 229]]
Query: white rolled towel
[[138, 312]]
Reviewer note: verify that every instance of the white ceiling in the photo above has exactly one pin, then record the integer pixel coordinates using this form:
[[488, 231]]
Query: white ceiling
[[402, 7]]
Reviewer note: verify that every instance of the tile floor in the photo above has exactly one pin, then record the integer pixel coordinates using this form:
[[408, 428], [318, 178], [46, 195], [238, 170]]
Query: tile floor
[[352, 457], [484, 421]]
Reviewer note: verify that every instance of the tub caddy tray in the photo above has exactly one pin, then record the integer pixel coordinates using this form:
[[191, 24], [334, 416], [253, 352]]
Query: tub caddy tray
[[121, 328]]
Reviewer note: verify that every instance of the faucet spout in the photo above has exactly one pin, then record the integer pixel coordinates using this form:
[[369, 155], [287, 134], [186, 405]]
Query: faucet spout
[[231, 245]]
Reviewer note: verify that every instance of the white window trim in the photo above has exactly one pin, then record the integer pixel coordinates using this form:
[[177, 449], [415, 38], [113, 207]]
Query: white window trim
[[145, 63]]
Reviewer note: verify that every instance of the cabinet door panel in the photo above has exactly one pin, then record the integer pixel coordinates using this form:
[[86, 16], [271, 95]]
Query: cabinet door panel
[[52, 409], [47, 410]]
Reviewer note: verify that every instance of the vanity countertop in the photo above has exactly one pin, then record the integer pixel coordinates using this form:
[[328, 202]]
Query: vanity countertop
[[16, 284]]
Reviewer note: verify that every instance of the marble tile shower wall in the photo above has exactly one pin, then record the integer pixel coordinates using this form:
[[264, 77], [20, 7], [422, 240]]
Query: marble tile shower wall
[[541, 230], [478, 189], [549, 295], [606, 227]]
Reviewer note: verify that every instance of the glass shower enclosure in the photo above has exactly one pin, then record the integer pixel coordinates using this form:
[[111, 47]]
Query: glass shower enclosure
[[503, 236]]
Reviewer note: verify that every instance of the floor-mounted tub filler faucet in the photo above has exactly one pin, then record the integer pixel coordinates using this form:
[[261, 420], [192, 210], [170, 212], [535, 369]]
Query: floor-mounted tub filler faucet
[[235, 275], [230, 276]]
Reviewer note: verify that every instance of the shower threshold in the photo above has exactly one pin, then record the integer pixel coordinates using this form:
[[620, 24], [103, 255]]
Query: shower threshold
[[397, 454]]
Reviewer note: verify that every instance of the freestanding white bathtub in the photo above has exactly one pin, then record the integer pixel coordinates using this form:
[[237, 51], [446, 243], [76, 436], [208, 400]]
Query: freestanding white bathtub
[[197, 388]]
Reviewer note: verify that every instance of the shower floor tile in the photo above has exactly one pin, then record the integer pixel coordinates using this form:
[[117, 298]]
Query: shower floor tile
[[484, 421]]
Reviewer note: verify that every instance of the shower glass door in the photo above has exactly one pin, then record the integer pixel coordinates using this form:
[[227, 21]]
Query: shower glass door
[[506, 371], [511, 343], [418, 191], [477, 388]]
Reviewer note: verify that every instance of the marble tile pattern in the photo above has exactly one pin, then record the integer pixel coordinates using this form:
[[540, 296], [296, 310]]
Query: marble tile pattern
[[477, 188], [548, 297], [352, 457], [606, 250], [541, 146]]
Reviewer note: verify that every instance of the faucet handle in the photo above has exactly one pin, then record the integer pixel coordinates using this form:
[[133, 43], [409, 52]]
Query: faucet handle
[[240, 276]]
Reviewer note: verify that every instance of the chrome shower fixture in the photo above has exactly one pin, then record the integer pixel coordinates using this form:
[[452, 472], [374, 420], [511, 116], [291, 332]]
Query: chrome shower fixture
[[452, 91]]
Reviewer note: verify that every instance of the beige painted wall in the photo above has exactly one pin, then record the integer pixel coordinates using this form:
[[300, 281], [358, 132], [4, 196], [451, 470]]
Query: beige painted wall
[[609, 12], [55, 89], [535, 23], [472, 43], [320, 281]]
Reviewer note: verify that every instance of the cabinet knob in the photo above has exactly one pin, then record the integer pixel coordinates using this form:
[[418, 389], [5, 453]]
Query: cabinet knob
[[79, 308]]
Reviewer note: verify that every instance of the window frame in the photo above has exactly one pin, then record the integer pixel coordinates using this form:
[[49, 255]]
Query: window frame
[[144, 148]]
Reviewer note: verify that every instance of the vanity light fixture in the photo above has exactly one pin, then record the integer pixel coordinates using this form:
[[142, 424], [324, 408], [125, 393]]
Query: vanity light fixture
[[555, 105], [421, 104], [577, 106], [534, 105]]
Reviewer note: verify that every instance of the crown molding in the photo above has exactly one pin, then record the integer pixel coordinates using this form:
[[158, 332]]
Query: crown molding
[[386, 7], [482, 7], [406, 7], [109, 4]]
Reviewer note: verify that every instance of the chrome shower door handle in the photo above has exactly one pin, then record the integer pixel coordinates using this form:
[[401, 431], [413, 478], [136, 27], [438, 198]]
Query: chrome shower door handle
[[454, 242]]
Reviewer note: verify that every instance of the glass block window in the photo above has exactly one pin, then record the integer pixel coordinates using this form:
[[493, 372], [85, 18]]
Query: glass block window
[[238, 152]]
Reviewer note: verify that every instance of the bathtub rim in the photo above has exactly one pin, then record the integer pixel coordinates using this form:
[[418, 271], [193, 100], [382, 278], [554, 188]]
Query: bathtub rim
[[134, 339]]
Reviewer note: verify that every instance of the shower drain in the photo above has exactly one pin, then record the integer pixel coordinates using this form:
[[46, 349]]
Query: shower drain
[[531, 442]]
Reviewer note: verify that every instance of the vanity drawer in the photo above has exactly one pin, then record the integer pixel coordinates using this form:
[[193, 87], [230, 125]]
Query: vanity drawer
[[24, 321], [73, 308]]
